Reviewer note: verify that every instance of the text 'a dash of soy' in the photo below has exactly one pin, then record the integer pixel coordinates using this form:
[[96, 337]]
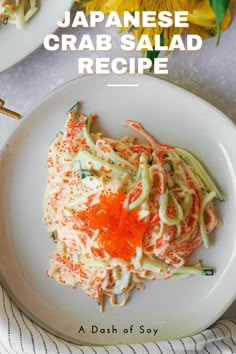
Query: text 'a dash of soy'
[[94, 329]]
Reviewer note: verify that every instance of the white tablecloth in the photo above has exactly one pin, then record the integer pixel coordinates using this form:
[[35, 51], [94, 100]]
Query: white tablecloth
[[20, 335]]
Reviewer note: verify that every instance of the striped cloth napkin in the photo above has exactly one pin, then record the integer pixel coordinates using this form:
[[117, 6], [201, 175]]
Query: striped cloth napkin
[[20, 335]]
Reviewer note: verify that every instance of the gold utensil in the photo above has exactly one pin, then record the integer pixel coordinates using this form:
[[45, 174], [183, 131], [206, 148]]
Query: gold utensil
[[8, 112]]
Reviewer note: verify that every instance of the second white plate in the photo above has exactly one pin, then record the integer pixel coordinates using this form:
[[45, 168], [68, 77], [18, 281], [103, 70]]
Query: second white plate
[[16, 44]]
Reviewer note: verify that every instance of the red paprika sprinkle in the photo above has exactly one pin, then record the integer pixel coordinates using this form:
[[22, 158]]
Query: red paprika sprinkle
[[120, 230]]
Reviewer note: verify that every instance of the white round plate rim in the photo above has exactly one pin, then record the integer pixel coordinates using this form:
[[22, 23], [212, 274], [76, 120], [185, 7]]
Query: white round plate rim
[[27, 116], [37, 28]]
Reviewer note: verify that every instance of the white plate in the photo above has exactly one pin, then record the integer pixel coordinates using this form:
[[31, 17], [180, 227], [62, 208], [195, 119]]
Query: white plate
[[175, 308], [17, 44]]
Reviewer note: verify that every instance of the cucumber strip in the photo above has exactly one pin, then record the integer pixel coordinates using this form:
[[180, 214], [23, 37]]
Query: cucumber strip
[[163, 210], [146, 182], [91, 262], [204, 234], [30, 13], [116, 272], [74, 108], [85, 173], [87, 134], [199, 170], [186, 194], [20, 16], [97, 164], [176, 276], [168, 167], [122, 284], [72, 114], [195, 271], [150, 160], [154, 265], [61, 248], [54, 235]]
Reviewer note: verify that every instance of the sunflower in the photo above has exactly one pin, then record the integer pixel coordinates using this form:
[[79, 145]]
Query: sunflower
[[206, 18]]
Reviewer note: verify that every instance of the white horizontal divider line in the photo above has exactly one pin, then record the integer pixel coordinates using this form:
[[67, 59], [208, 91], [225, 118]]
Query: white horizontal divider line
[[122, 85]]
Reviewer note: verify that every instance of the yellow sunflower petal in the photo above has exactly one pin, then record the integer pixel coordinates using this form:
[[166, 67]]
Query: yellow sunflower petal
[[120, 6], [93, 5], [209, 31], [202, 14], [188, 5], [203, 31]]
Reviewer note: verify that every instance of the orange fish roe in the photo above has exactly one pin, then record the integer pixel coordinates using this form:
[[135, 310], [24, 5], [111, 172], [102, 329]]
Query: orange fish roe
[[120, 230]]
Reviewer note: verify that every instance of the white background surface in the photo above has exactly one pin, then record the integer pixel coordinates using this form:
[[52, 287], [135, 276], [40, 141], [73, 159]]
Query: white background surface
[[210, 73]]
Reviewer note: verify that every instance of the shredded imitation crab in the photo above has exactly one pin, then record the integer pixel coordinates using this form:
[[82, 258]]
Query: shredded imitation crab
[[121, 212]]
